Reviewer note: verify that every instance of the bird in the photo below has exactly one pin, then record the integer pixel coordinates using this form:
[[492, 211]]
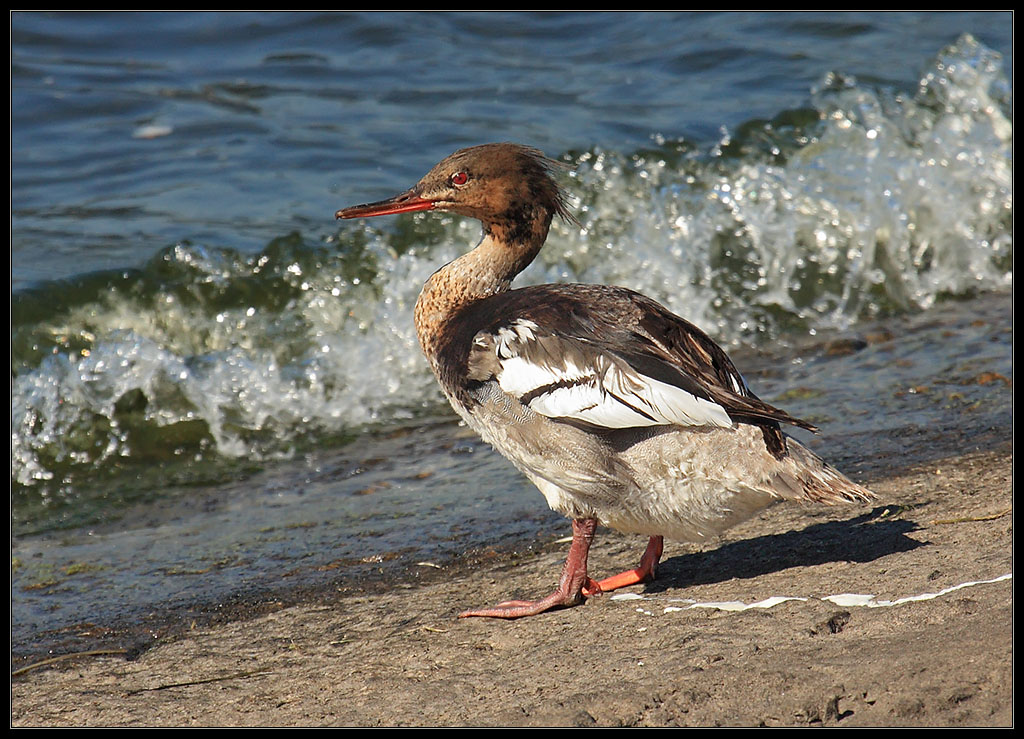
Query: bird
[[620, 412]]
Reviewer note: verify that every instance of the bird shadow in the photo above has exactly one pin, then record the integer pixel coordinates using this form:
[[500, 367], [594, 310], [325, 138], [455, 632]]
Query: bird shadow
[[864, 538]]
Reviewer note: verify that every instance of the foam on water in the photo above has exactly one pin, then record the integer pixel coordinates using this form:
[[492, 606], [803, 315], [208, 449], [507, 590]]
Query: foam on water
[[884, 203], [864, 203]]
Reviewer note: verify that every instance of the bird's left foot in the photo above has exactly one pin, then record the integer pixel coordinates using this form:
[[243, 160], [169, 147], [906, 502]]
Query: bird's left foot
[[575, 586], [571, 585], [520, 608]]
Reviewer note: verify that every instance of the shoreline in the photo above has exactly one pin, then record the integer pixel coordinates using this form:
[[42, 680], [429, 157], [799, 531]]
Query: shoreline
[[389, 651], [399, 657], [365, 515]]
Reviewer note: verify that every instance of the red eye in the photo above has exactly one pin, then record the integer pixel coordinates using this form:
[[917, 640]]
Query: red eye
[[459, 178]]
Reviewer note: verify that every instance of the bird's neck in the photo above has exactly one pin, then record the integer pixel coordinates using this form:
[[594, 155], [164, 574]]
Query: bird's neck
[[507, 248]]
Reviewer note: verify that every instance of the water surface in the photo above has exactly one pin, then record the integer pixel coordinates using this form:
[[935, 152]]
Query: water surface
[[216, 386]]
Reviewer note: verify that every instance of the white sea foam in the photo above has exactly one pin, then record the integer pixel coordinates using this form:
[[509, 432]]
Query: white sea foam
[[880, 202]]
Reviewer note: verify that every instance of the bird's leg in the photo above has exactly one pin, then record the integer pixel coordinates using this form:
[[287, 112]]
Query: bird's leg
[[643, 573], [570, 585]]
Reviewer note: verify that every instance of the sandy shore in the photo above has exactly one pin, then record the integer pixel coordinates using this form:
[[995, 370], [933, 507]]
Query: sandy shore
[[652, 658]]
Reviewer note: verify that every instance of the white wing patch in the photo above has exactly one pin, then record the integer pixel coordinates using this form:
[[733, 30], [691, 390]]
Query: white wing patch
[[593, 388], [519, 331]]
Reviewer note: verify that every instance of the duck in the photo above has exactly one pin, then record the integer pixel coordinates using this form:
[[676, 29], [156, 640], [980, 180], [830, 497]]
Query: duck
[[620, 412]]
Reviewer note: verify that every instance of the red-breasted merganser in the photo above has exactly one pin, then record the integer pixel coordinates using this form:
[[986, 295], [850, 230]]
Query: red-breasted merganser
[[619, 411]]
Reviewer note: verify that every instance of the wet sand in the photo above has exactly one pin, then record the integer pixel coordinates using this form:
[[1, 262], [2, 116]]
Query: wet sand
[[402, 658]]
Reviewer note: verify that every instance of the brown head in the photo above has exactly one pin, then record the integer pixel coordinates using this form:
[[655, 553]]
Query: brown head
[[508, 187]]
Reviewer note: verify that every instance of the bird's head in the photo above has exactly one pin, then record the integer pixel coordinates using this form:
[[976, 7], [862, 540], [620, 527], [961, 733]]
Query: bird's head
[[495, 183]]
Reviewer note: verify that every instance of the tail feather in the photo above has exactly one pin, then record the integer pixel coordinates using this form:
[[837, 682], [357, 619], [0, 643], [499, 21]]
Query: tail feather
[[805, 476]]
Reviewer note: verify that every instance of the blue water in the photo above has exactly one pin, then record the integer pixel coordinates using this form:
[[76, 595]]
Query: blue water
[[277, 119], [201, 354]]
